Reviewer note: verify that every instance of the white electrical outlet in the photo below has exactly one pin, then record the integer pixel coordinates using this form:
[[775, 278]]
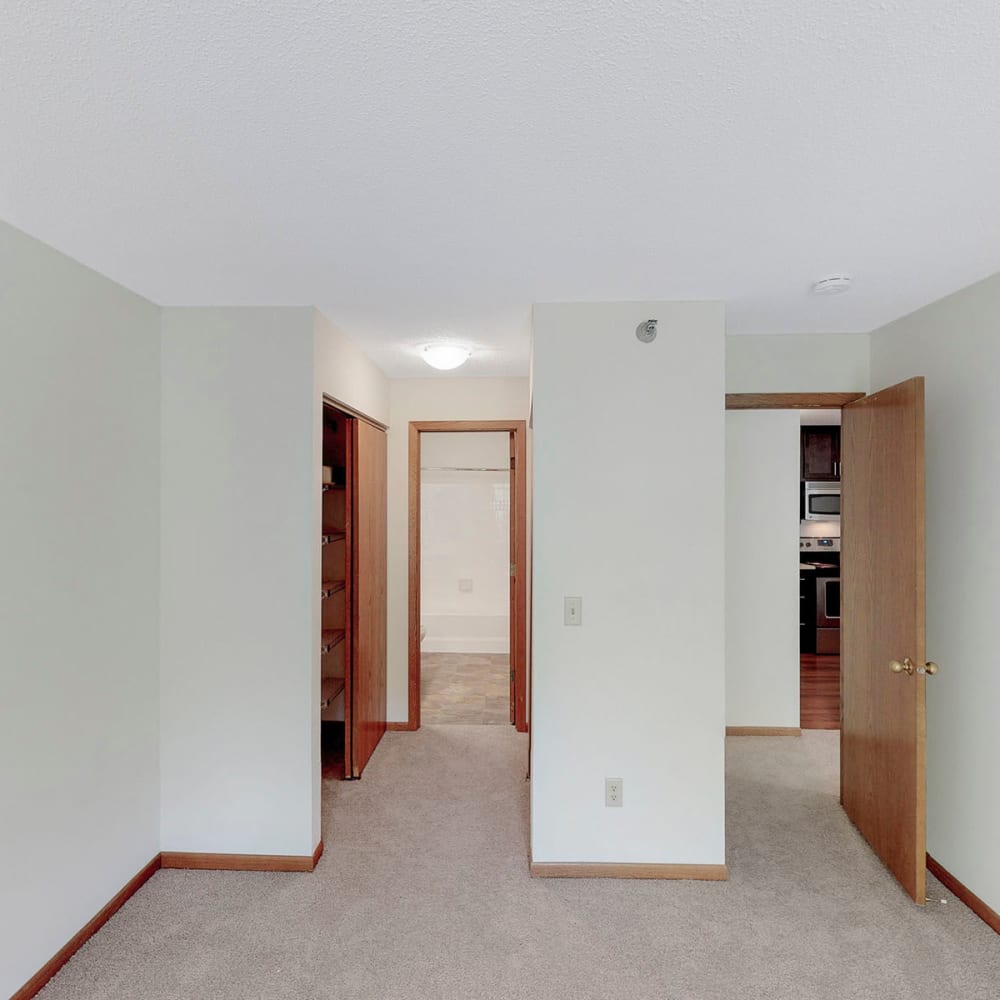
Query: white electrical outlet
[[465, 586], [613, 791]]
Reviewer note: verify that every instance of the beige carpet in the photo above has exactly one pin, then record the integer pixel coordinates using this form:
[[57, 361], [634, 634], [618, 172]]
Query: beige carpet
[[424, 893]]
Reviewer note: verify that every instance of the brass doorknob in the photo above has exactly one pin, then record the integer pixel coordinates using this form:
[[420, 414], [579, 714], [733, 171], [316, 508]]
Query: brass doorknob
[[931, 667], [906, 667]]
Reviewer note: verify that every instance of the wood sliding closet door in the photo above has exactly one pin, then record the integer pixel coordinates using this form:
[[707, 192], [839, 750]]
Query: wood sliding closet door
[[368, 686]]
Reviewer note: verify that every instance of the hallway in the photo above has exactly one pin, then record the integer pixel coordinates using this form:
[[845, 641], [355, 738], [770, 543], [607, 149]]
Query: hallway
[[424, 892]]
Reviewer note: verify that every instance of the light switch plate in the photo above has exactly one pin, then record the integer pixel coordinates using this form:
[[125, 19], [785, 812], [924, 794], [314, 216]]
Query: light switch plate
[[572, 610]]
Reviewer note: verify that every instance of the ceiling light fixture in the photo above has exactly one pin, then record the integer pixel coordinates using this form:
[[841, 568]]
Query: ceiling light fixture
[[446, 356], [836, 284]]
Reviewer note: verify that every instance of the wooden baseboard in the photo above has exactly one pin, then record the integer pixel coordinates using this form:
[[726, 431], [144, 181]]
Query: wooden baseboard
[[242, 862], [705, 873], [972, 901], [34, 985], [400, 727], [166, 859], [763, 731]]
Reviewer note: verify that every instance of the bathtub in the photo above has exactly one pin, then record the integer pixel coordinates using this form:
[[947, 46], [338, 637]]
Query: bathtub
[[466, 633]]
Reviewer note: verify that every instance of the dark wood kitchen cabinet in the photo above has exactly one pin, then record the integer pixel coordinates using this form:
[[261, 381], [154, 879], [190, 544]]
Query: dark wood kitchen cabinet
[[820, 453]]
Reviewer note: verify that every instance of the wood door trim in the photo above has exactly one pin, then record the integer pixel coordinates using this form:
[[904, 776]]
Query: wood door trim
[[352, 412], [521, 575], [520, 513], [413, 623], [466, 426], [556, 869], [962, 892], [763, 731], [350, 595], [35, 984], [790, 400], [514, 616]]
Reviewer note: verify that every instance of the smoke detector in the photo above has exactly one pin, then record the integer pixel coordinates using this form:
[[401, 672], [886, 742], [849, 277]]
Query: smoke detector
[[836, 284]]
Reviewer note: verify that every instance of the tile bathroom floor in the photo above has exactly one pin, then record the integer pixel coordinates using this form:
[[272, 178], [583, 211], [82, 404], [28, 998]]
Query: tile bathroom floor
[[464, 688]]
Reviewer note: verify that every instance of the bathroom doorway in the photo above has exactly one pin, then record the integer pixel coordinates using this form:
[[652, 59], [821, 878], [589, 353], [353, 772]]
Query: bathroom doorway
[[468, 573]]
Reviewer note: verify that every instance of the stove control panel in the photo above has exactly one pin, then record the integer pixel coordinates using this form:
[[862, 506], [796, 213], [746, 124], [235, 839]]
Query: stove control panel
[[819, 545]]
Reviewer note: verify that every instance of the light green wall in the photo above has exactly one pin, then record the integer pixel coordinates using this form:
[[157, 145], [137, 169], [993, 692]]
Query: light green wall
[[79, 534], [955, 344]]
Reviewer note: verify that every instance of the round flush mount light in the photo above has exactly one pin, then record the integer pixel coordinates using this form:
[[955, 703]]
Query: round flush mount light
[[445, 356], [835, 284]]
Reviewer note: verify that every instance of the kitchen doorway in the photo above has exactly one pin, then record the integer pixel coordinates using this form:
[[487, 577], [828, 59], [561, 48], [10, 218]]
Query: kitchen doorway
[[782, 656], [820, 529], [443, 470], [882, 741]]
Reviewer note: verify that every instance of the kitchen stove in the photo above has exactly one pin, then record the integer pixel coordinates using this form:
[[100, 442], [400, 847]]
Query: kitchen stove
[[819, 595], [819, 545]]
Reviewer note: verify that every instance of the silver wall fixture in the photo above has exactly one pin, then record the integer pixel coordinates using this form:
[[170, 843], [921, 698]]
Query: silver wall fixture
[[646, 331]]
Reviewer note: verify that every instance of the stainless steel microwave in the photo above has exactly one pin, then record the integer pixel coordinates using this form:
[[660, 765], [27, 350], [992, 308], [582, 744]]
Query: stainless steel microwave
[[821, 501]]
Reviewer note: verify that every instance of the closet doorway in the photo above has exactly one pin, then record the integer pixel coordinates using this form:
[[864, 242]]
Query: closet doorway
[[352, 592], [480, 553]]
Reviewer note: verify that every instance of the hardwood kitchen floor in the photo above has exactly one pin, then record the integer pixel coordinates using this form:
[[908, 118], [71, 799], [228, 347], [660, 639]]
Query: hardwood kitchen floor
[[819, 691]]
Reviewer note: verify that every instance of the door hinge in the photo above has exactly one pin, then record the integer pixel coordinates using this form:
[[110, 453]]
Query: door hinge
[[513, 569]]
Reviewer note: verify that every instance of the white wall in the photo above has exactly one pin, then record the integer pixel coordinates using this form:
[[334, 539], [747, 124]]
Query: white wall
[[465, 535], [79, 450], [428, 399], [822, 362], [762, 575], [484, 449], [955, 344], [239, 596], [629, 459], [346, 374]]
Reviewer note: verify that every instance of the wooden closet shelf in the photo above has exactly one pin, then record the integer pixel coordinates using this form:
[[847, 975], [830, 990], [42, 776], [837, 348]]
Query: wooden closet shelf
[[338, 534], [331, 587], [330, 687], [330, 638], [328, 487]]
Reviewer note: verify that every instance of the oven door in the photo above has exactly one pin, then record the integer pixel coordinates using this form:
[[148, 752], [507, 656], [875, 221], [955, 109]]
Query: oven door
[[827, 615], [828, 602]]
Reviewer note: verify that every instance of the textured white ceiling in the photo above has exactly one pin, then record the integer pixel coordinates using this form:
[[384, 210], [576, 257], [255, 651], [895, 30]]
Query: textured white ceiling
[[422, 167]]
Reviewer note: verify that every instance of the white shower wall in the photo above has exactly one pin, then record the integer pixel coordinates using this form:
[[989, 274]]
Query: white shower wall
[[465, 542]]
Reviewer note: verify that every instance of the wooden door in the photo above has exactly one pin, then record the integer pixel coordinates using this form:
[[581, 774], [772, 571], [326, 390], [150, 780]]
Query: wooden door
[[883, 732], [348, 593], [368, 690]]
